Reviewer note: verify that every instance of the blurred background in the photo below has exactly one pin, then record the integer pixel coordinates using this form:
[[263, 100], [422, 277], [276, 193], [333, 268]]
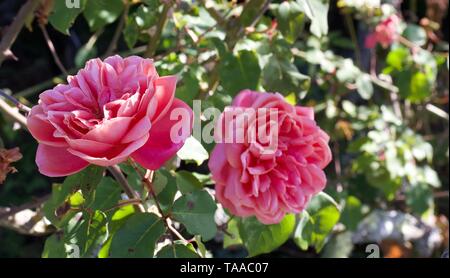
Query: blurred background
[[385, 108]]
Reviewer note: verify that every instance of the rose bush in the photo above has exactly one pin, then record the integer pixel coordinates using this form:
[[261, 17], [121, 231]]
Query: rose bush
[[257, 178], [115, 128], [109, 111]]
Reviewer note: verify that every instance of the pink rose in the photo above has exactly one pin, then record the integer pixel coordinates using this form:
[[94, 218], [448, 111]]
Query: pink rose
[[109, 111], [253, 177], [385, 33]]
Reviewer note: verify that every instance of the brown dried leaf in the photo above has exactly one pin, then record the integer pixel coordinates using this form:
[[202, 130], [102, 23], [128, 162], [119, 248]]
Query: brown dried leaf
[[6, 158]]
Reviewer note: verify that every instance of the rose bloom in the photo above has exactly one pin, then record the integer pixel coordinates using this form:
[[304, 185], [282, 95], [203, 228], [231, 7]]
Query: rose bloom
[[254, 178], [385, 33], [109, 111]]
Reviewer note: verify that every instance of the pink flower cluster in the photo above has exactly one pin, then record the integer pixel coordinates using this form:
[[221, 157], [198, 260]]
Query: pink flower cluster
[[254, 179], [109, 111], [386, 32]]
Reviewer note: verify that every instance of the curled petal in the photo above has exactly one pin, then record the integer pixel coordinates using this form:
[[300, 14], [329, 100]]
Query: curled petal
[[58, 162], [41, 129], [160, 146]]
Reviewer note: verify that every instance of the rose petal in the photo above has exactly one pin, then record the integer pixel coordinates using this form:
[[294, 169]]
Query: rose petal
[[160, 147], [164, 93], [57, 162], [41, 129], [118, 155], [110, 131]]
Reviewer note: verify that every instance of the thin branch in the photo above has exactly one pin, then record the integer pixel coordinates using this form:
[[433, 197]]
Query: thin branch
[[437, 111], [118, 32], [231, 41], [173, 230], [31, 205], [213, 13], [147, 180], [154, 41], [120, 178], [15, 28], [354, 38], [52, 49], [125, 203], [16, 102], [13, 112]]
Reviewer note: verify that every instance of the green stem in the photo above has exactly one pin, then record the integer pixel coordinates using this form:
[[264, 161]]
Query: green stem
[[352, 30]]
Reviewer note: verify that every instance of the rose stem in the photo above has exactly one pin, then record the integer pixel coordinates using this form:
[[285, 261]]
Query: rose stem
[[147, 180], [118, 175]]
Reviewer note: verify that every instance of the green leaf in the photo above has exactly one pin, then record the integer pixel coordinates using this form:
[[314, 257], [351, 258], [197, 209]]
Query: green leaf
[[99, 13], [347, 71], [200, 246], [317, 11], [145, 17], [87, 231], [167, 195], [280, 75], [115, 222], [415, 34], [88, 180], [190, 86], [138, 237], [159, 182], [54, 247], [76, 200], [290, 20], [260, 239], [352, 213], [398, 58], [420, 87], [131, 32], [63, 17], [58, 208], [316, 222], [193, 150], [187, 182], [177, 251], [196, 211], [232, 236], [419, 198], [364, 86], [84, 54], [239, 72], [107, 195], [250, 12], [339, 246]]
